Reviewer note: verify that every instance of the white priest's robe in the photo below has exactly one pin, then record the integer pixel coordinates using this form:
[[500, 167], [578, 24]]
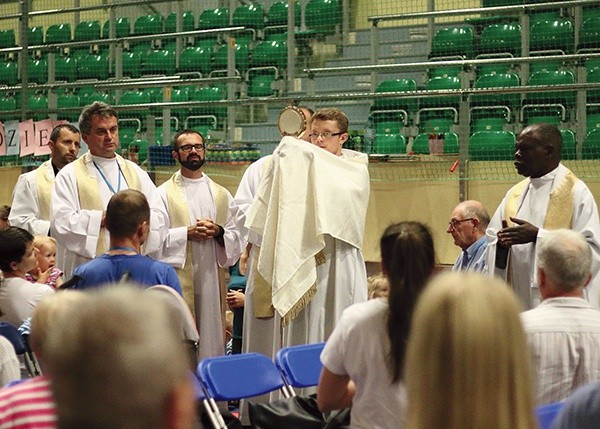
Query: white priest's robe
[[77, 228], [532, 206], [201, 284], [30, 207], [309, 213]]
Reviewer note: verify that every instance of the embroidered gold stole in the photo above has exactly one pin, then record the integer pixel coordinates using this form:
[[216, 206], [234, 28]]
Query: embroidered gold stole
[[44, 183], [89, 195], [179, 215]]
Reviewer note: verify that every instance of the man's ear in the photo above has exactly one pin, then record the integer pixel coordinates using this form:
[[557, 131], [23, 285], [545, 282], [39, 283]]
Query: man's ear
[[344, 137], [175, 155]]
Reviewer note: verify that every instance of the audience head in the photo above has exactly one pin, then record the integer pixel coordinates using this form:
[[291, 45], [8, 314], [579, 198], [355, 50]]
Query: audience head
[[564, 263], [128, 215], [99, 127], [4, 214], [47, 313], [119, 363], [46, 251], [407, 260], [17, 254], [308, 114], [329, 130], [467, 363], [378, 286], [468, 223], [64, 144], [189, 149], [538, 150]]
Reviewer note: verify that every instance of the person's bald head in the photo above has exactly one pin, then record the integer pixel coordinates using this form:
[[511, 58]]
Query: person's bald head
[[468, 223]]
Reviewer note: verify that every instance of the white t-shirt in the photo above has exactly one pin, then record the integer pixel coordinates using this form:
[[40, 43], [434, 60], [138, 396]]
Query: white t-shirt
[[18, 298], [359, 347]]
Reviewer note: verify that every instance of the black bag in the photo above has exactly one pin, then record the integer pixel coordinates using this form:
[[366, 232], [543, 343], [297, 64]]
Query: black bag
[[298, 412]]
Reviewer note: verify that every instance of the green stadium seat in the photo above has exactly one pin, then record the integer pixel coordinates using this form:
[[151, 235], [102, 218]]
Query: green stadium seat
[[389, 144], [544, 66], [148, 24], [7, 39], [58, 33], [569, 150], [260, 84], [436, 125], [249, 16], [269, 53], [180, 94], [592, 121], [492, 146], [421, 144], [387, 127], [540, 116], [187, 22], [123, 28], [93, 67], [593, 95], [65, 68], [322, 16], [37, 70], [213, 18], [589, 34], [442, 71], [396, 85], [488, 123], [209, 93], [500, 40], [591, 145], [242, 58], [441, 83], [68, 100], [9, 73], [453, 42], [35, 36], [160, 61], [87, 30], [195, 59], [35, 103], [127, 133], [551, 79], [8, 103], [135, 97], [498, 80], [140, 148], [493, 69], [132, 64], [552, 35], [278, 14]]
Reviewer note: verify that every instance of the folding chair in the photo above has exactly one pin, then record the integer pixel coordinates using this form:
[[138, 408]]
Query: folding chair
[[11, 333], [232, 377], [547, 413], [300, 366]]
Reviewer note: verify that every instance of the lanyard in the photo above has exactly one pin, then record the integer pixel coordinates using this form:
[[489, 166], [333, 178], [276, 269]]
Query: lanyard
[[106, 180]]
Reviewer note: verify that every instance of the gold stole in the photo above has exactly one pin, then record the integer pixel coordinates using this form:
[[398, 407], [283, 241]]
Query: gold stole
[[559, 213], [262, 290], [44, 185], [179, 215], [89, 195]]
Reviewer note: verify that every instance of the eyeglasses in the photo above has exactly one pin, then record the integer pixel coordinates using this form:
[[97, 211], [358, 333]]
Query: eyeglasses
[[454, 223], [188, 147], [326, 135]]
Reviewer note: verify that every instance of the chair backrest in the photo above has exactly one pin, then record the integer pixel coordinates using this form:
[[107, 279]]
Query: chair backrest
[[11, 333], [547, 413], [226, 378], [300, 365]]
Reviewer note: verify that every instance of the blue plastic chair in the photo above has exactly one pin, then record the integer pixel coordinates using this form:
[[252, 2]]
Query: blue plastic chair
[[232, 377], [547, 413], [300, 365], [21, 346]]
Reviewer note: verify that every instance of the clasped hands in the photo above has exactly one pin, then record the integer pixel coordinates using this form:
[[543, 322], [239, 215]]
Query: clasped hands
[[523, 232], [204, 229]]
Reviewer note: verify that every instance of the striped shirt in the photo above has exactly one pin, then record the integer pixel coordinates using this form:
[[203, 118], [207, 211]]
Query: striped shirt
[[27, 405], [564, 339]]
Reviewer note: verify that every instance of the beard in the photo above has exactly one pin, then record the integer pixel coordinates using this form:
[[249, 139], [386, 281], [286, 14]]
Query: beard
[[192, 165]]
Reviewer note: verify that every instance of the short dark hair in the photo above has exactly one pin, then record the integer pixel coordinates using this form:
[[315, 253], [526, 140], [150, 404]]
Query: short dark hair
[[182, 132], [332, 114], [125, 212], [97, 108], [57, 129], [13, 245]]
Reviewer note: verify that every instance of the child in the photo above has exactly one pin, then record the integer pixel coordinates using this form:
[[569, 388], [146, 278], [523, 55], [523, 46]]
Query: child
[[378, 286], [45, 272], [18, 297]]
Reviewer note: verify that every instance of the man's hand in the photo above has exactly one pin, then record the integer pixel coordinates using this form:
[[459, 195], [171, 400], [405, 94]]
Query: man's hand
[[235, 299], [523, 233], [205, 229]]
